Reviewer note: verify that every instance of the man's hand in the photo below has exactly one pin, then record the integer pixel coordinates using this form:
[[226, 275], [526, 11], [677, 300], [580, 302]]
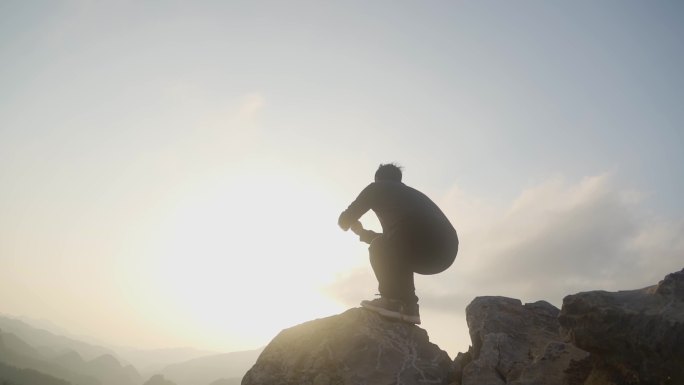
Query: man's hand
[[356, 227], [343, 222]]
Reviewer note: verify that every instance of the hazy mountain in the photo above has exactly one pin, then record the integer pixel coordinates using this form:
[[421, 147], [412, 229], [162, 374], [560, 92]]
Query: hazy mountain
[[69, 365], [17, 353], [11, 375], [158, 379], [110, 371], [23, 345], [106, 368], [11, 343], [41, 323], [52, 339], [151, 361], [48, 342], [205, 370]]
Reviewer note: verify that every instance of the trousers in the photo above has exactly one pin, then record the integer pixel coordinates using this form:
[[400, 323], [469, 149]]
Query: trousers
[[397, 256]]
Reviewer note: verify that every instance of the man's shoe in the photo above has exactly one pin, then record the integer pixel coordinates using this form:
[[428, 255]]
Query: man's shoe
[[410, 313], [390, 308]]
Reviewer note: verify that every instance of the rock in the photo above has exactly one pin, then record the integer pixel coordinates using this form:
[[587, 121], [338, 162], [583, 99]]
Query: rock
[[355, 347], [460, 362], [634, 337], [515, 344]]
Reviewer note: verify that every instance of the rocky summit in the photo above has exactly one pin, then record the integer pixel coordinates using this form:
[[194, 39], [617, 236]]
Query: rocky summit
[[634, 336], [631, 337], [355, 347]]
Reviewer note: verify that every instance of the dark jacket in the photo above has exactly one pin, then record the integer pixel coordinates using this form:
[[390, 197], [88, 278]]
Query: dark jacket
[[400, 210]]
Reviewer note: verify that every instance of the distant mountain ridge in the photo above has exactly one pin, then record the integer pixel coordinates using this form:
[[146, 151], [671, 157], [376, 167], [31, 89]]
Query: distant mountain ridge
[[15, 376], [228, 368], [152, 361], [29, 352], [103, 370], [18, 354], [51, 343], [52, 339]]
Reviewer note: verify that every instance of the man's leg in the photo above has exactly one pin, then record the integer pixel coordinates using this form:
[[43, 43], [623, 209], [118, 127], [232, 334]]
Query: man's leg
[[392, 268]]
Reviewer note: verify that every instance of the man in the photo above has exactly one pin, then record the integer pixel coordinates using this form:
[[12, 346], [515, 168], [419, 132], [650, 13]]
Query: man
[[416, 238]]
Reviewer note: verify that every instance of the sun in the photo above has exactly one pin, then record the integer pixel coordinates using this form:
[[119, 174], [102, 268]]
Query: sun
[[250, 256]]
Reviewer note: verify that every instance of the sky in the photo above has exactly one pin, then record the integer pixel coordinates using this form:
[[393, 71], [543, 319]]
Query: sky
[[171, 172]]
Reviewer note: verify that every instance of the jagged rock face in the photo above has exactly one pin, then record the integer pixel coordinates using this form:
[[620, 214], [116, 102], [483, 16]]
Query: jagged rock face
[[635, 337], [516, 344], [355, 347]]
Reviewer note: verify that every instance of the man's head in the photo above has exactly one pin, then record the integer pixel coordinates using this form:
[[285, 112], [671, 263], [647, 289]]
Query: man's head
[[389, 172]]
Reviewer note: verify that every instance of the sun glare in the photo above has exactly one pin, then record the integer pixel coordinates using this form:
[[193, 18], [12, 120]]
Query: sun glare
[[249, 257]]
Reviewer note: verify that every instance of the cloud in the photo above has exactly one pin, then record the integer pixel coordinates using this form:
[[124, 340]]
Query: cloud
[[559, 238]]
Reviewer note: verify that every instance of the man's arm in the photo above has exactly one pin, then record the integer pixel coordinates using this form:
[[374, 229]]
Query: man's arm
[[356, 209], [367, 236]]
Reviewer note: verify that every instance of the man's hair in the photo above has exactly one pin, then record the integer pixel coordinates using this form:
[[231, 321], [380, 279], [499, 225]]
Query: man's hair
[[389, 171]]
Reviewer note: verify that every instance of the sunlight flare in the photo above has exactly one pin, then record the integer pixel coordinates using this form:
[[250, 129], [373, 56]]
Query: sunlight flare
[[252, 255]]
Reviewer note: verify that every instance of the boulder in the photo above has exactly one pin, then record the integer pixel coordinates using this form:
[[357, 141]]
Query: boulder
[[634, 337], [517, 344], [355, 347]]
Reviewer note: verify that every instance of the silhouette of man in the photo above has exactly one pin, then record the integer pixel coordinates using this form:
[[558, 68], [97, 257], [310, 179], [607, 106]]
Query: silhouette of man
[[416, 238]]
